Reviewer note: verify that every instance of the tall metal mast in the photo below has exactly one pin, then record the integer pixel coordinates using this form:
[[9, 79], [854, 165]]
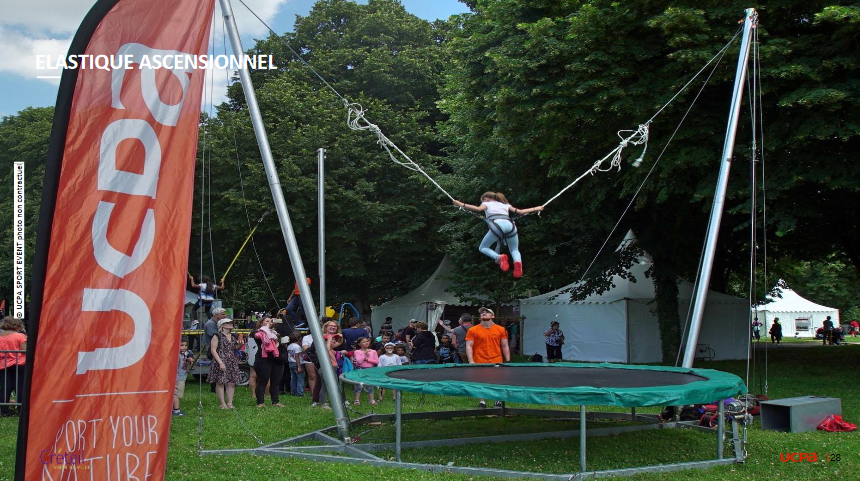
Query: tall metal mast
[[750, 22], [328, 373], [321, 220]]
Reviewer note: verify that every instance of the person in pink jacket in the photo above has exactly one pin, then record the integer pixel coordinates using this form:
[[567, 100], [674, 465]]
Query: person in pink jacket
[[363, 358]]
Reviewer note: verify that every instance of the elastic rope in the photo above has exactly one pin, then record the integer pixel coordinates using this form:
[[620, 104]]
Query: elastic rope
[[209, 175], [355, 115], [242, 185], [653, 166], [200, 294], [640, 135], [757, 58]]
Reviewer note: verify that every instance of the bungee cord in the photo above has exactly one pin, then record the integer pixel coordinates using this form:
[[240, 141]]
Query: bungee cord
[[357, 121]]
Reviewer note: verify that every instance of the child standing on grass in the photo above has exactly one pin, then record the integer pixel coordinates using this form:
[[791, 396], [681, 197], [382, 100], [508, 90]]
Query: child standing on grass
[[186, 359], [389, 358], [401, 351], [446, 351], [294, 357], [365, 358]]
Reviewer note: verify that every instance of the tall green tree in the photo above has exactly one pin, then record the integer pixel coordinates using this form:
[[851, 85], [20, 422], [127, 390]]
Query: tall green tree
[[536, 91], [23, 138], [382, 220]]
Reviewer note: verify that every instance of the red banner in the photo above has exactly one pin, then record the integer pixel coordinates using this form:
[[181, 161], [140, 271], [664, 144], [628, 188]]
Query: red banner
[[109, 278]]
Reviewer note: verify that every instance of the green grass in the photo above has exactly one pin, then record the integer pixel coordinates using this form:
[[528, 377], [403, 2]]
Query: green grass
[[793, 371]]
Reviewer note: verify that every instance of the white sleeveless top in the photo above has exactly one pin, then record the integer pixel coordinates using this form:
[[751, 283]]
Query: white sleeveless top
[[496, 208]]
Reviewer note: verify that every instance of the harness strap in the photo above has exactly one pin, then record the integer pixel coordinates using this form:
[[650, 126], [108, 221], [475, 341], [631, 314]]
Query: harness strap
[[497, 231]]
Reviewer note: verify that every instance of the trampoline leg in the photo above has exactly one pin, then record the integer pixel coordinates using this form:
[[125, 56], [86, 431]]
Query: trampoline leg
[[632, 414], [582, 438], [398, 423], [721, 429]]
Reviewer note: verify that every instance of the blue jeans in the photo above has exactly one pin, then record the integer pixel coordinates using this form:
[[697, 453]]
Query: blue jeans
[[425, 361], [294, 307], [513, 242], [297, 380]]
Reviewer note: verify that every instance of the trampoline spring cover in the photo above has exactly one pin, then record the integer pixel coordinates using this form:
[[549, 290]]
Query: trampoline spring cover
[[561, 383]]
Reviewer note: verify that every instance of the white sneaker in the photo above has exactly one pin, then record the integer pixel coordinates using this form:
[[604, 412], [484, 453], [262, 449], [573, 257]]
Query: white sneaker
[[326, 406], [313, 405]]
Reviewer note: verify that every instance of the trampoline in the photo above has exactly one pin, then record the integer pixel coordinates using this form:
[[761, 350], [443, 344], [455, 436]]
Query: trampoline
[[558, 384], [565, 383]]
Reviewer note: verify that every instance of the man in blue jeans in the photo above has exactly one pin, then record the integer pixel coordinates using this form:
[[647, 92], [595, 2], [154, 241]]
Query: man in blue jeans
[[294, 305]]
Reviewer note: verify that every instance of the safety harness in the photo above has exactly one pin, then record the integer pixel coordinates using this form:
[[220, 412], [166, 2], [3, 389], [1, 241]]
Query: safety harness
[[497, 231]]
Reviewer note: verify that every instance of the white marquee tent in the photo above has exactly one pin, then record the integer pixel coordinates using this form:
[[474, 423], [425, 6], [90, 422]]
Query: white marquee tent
[[797, 315], [425, 303], [618, 325]]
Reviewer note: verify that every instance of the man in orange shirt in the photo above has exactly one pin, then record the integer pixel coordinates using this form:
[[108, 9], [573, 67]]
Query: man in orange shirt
[[487, 343]]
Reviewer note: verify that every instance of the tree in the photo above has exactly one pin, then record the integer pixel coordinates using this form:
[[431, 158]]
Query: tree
[[382, 221], [23, 138], [536, 91]]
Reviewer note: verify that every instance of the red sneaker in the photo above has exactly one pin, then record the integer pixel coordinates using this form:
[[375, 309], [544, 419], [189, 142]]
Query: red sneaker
[[518, 269], [503, 262]]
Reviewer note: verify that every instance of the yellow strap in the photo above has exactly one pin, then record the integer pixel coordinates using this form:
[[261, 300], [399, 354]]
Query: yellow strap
[[240, 250]]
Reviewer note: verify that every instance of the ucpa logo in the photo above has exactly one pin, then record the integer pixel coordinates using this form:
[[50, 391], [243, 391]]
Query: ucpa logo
[[798, 457]]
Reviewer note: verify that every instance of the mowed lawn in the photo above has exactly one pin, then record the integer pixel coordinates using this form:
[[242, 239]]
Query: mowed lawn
[[793, 371]]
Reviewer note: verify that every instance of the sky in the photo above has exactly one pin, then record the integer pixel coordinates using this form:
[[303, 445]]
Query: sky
[[46, 27]]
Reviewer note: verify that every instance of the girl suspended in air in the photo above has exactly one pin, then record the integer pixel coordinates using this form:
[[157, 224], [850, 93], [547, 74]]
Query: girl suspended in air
[[502, 229]]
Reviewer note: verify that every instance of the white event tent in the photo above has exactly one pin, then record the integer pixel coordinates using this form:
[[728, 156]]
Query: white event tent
[[619, 325], [425, 303], [797, 315]]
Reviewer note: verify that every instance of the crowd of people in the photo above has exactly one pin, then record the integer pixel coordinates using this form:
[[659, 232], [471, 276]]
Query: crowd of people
[[283, 362]]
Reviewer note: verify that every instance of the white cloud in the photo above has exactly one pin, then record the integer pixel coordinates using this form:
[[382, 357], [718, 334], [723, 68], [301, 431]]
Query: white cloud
[[46, 27], [19, 53]]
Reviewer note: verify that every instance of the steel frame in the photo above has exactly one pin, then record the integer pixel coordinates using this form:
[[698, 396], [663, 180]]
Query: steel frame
[[331, 449]]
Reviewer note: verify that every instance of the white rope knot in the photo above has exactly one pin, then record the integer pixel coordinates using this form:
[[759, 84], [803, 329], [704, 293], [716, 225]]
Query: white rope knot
[[356, 120]]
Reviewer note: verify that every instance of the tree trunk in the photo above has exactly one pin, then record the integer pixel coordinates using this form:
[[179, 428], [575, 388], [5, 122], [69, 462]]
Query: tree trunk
[[666, 295]]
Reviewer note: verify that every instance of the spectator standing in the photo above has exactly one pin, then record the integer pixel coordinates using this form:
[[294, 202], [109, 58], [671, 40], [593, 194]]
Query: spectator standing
[[554, 339], [389, 358], [267, 364], [514, 335], [828, 332], [855, 328], [446, 351], [409, 332], [423, 345], [775, 331], [756, 329], [459, 336], [224, 371], [386, 328], [294, 353], [186, 359], [400, 349], [308, 364], [487, 343], [12, 338], [365, 358], [353, 333]]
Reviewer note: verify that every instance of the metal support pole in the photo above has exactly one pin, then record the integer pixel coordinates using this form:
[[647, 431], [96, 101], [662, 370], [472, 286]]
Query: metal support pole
[[504, 410], [321, 209], [632, 414], [721, 429], [328, 373], [582, 438], [750, 21], [398, 423]]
